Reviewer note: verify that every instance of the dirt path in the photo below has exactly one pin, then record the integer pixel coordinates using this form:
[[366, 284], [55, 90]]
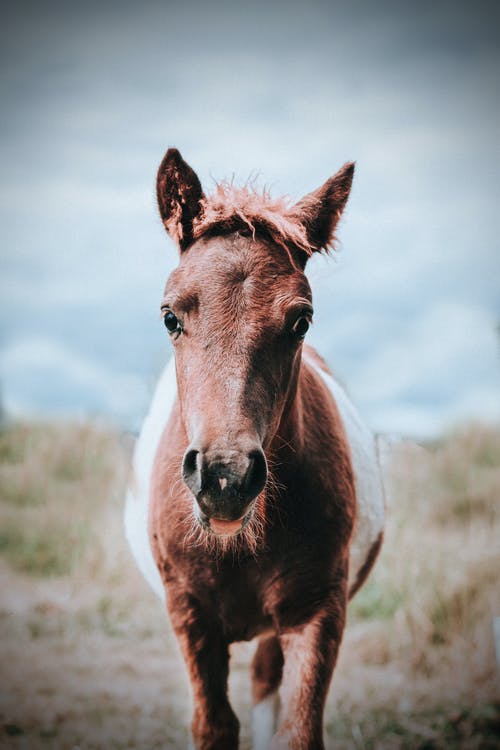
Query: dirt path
[[78, 673], [80, 670]]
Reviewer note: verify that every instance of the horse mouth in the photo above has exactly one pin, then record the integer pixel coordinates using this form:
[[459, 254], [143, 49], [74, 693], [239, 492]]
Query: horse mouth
[[223, 528]]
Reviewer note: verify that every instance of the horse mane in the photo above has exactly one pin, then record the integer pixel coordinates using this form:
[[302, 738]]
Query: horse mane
[[230, 209]]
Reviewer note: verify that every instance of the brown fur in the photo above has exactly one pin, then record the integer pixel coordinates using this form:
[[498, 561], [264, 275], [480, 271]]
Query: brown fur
[[267, 668], [300, 230], [368, 564], [245, 209], [243, 385]]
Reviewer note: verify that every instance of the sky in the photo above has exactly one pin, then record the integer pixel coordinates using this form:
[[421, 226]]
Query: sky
[[406, 313]]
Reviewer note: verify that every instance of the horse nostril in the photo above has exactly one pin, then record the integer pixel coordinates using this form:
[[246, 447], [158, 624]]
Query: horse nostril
[[256, 476], [224, 483], [190, 471]]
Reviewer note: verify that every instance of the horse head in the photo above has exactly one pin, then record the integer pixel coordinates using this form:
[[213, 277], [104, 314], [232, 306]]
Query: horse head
[[237, 309]]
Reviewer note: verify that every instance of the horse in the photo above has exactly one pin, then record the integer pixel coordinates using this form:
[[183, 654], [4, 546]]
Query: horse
[[256, 509]]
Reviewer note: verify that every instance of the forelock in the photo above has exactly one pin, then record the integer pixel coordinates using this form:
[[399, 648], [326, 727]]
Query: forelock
[[231, 209]]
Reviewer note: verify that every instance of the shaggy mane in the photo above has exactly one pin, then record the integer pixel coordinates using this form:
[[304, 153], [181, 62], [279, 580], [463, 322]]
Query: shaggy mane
[[232, 208]]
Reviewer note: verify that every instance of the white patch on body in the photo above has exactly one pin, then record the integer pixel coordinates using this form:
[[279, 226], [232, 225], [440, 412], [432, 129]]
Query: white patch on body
[[367, 475], [138, 495], [265, 721]]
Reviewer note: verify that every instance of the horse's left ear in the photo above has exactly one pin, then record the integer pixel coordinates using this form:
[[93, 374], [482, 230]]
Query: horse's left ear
[[321, 210], [179, 194]]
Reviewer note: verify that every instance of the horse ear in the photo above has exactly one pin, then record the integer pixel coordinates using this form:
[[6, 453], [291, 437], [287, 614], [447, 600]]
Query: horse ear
[[321, 210], [179, 193]]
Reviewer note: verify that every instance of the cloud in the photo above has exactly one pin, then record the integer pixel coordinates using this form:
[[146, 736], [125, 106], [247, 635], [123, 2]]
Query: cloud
[[39, 376], [443, 368]]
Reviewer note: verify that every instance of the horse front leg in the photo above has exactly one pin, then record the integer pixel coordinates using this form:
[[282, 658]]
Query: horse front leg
[[267, 670], [214, 725], [310, 654]]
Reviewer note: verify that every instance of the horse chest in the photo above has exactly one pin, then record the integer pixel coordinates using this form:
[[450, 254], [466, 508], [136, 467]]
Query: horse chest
[[241, 609], [249, 597]]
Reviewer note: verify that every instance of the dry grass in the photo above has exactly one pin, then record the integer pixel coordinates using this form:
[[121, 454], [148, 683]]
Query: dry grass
[[88, 659]]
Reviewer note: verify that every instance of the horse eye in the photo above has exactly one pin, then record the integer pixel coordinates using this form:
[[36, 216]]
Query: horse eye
[[301, 326], [171, 323]]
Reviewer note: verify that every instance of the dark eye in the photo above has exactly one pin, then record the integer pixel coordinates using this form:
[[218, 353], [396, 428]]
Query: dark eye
[[301, 326], [172, 323]]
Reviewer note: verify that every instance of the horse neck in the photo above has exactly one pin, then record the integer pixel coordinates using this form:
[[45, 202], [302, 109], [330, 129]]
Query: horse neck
[[288, 438]]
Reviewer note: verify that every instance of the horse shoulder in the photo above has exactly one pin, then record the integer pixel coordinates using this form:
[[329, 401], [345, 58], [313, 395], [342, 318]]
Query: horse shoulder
[[370, 504]]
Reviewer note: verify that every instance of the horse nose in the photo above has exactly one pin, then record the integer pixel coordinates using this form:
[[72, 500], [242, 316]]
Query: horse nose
[[256, 474], [191, 470], [224, 482]]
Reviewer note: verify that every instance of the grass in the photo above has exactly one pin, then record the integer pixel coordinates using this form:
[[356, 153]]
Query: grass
[[56, 482], [438, 571], [375, 602], [42, 552], [427, 730], [88, 658]]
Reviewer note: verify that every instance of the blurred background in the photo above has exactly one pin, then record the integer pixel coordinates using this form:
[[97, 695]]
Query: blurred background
[[406, 312], [94, 93]]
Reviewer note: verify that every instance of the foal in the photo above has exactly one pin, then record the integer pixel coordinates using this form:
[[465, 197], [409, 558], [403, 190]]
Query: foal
[[257, 504]]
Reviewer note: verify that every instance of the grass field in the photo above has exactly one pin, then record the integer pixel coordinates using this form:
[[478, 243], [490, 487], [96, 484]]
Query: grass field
[[88, 659]]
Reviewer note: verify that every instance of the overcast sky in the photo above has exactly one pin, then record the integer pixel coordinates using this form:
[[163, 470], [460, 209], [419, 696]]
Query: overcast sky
[[93, 94]]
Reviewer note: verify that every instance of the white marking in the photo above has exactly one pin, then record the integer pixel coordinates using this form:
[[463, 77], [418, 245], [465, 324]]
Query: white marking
[[367, 475], [138, 495], [265, 721], [222, 482]]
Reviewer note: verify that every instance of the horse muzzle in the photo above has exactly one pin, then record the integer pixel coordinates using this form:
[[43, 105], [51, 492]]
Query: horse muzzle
[[225, 485]]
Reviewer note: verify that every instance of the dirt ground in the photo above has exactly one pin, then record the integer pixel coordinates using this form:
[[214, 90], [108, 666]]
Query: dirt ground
[[88, 659]]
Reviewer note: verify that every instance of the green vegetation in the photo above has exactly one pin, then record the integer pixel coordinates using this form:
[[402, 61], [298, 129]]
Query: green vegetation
[[375, 602], [53, 479], [456, 730], [438, 571], [42, 552]]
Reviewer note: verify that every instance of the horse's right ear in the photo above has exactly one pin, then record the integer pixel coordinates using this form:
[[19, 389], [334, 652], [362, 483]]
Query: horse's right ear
[[320, 211], [179, 193]]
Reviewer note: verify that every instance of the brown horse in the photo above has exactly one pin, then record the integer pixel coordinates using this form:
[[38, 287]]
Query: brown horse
[[257, 504]]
